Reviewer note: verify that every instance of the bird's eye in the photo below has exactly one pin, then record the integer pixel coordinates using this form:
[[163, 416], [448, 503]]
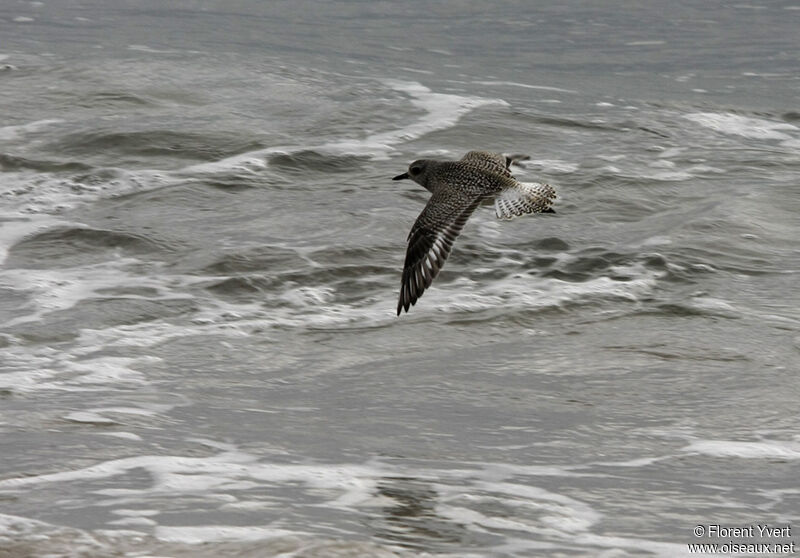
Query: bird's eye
[[415, 170]]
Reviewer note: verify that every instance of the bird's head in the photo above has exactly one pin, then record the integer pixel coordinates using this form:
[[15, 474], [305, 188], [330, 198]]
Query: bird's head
[[418, 171]]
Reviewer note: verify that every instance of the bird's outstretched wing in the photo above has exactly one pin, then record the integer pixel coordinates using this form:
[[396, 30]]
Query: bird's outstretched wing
[[430, 241], [486, 160]]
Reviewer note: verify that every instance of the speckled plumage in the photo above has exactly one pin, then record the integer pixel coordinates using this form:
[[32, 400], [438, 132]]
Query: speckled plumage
[[458, 187]]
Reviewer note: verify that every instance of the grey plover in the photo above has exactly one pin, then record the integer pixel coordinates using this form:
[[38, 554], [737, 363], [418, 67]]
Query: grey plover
[[458, 187]]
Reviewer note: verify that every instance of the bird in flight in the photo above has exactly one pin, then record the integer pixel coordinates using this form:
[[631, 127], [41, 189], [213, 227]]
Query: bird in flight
[[458, 187]]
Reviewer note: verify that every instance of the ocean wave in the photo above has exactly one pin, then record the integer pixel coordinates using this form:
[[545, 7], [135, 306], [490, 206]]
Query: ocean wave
[[16, 163], [310, 160], [42, 185], [745, 126], [27, 192], [21, 131], [71, 246], [28, 537], [440, 111], [145, 146], [765, 449], [57, 303], [416, 508], [26, 372]]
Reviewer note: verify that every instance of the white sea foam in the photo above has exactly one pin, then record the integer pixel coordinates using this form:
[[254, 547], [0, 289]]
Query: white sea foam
[[476, 498], [772, 449], [528, 86], [712, 305], [251, 162], [31, 192], [12, 523], [441, 111], [215, 533], [301, 307], [14, 228], [516, 292], [88, 417], [525, 292], [153, 410], [20, 130], [645, 43], [47, 371], [43, 192], [237, 478], [745, 126], [51, 290], [123, 435], [26, 537], [25, 369], [99, 415]]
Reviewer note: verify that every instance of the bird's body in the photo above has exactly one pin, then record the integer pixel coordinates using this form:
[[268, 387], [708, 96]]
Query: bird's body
[[458, 187]]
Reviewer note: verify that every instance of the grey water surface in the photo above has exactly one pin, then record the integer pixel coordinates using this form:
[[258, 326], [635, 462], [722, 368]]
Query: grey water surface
[[201, 248]]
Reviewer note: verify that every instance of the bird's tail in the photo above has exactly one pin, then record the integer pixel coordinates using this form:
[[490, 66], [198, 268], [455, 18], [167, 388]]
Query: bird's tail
[[522, 198]]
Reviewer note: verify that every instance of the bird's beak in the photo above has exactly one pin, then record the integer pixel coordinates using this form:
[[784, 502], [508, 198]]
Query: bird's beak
[[401, 176]]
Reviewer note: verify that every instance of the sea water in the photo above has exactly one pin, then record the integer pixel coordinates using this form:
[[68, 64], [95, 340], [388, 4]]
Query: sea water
[[201, 249]]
